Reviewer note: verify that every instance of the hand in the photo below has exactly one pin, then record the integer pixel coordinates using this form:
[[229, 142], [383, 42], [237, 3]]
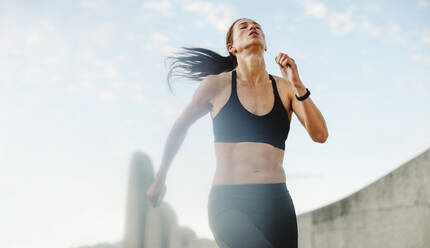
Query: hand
[[156, 192], [288, 69]]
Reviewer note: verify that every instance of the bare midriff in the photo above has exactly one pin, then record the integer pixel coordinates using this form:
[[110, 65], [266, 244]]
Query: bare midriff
[[248, 163]]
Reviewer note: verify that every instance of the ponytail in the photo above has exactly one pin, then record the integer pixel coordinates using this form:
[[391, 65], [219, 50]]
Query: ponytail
[[196, 63]]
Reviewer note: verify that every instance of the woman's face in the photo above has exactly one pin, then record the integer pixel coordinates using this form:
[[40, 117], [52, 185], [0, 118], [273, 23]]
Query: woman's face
[[243, 38]]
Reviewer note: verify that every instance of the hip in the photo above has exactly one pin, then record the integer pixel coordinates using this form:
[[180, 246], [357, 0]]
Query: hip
[[258, 198], [252, 215]]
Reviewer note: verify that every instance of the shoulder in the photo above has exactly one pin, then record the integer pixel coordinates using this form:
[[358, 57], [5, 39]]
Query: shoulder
[[215, 82], [284, 85], [219, 80], [280, 80], [212, 85]]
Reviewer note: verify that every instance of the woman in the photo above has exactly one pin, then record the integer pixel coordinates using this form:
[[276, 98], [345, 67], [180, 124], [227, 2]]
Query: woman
[[249, 204]]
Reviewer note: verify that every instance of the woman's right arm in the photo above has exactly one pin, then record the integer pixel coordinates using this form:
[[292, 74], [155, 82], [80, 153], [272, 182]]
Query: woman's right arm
[[199, 106]]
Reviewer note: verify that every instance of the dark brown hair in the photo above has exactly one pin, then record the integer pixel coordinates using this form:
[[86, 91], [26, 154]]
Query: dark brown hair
[[197, 63]]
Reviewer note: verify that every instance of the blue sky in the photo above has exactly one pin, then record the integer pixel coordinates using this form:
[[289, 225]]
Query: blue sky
[[82, 86]]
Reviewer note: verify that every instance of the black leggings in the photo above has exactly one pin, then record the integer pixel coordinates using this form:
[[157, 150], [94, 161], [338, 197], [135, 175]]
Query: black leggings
[[252, 215]]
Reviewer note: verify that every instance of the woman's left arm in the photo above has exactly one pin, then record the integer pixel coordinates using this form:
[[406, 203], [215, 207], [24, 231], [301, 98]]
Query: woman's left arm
[[308, 114], [306, 111]]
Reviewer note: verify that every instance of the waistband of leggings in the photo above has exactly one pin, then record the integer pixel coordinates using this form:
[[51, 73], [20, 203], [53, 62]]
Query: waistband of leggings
[[254, 188]]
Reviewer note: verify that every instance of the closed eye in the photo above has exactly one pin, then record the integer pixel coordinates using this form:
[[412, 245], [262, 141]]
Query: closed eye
[[245, 27]]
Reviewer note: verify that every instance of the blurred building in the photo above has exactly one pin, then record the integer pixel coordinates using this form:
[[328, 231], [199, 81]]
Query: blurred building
[[146, 226]]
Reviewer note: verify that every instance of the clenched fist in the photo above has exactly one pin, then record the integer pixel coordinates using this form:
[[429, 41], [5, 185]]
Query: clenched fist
[[156, 192], [288, 68]]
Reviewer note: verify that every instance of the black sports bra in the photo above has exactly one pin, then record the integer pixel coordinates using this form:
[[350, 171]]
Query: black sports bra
[[234, 123]]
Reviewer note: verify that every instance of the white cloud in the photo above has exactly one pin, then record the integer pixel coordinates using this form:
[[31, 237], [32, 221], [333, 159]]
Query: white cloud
[[425, 39], [140, 98], [170, 111], [372, 7], [394, 35], [158, 5], [92, 4], [317, 10], [296, 53], [290, 29], [325, 60], [345, 22], [163, 7], [395, 28], [218, 15], [106, 95], [80, 85], [60, 57], [39, 31], [117, 84], [158, 42], [57, 79], [109, 69], [34, 38], [8, 39], [340, 23], [103, 35], [364, 51], [366, 68], [421, 58], [136, 86], [423, 3], [35, 69], [106, 70], [159, 37], [421, 89], [85, 84], [367, 26]]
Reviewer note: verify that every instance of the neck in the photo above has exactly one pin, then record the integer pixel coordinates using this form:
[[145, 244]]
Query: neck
[[252, 70]]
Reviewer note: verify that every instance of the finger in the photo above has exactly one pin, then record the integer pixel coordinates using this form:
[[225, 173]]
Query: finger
[[280, 58], [154, 202], [284, 62], [158, 201], [292, 62], [163, 193], [160, 198], [277, 58], [284, 58]]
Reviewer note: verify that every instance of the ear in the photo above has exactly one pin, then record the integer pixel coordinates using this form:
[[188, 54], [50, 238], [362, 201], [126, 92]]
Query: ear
[[231, 49]]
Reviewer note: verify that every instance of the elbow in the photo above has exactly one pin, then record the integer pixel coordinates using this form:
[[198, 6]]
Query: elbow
[[321, 138]]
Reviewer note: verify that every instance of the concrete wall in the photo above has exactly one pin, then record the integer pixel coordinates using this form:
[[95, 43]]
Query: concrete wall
[[392, 212]]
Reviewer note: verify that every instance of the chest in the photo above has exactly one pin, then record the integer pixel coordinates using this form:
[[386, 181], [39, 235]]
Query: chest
[[256, 100]]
